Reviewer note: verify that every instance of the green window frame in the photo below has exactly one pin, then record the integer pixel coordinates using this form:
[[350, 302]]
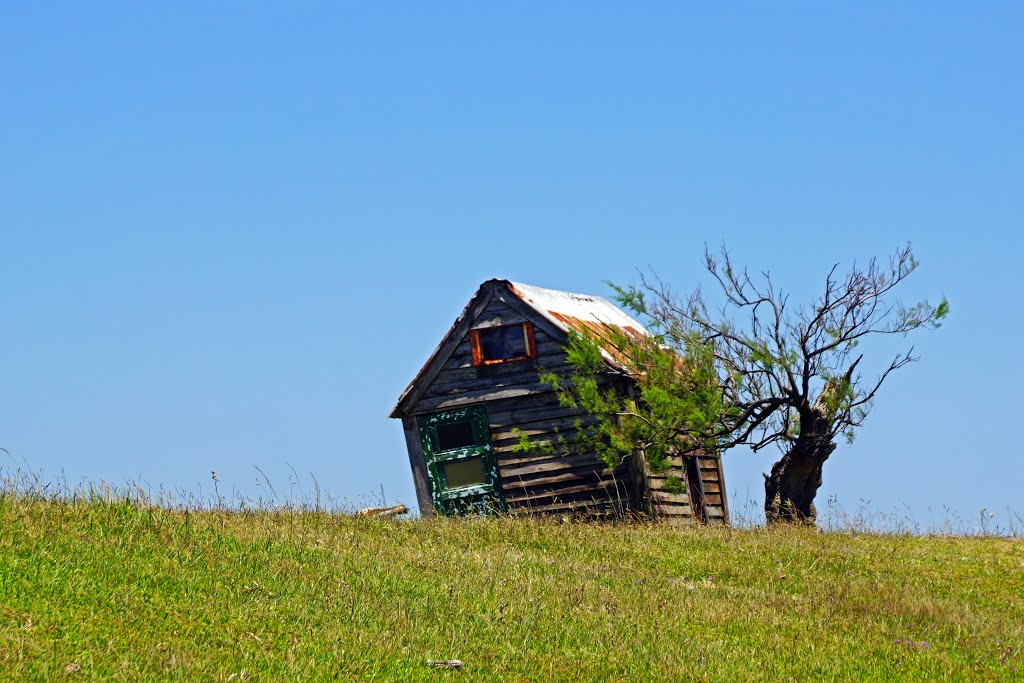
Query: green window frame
[[454, 442]]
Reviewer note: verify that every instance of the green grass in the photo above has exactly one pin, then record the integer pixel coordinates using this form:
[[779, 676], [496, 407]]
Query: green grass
[[119, 591]]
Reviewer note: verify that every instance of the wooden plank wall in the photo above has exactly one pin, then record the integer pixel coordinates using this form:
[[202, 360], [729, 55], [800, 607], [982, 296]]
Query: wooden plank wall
[[576, 483], [714, 489], [675, 507], [419, 466], [566, 481], [459, 383]]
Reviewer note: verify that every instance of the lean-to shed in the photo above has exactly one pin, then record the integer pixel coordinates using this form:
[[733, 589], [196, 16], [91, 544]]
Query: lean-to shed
[[463, 413]]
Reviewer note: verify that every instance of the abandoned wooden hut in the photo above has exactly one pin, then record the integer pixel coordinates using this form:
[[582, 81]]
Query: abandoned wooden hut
[[464, 412]]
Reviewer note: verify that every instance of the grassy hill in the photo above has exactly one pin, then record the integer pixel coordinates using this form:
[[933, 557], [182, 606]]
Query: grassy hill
[[112, 590]]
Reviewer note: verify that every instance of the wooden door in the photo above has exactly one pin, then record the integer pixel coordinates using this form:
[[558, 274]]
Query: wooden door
[[461, 466]]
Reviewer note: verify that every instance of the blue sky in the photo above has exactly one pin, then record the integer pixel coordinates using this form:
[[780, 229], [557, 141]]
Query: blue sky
[[231, 234]]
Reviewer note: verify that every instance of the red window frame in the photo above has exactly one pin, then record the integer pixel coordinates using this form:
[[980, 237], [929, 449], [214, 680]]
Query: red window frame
[[478, 352]]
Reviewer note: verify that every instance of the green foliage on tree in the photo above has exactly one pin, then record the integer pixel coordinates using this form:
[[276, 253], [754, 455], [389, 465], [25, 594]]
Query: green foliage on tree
[[659, 405]]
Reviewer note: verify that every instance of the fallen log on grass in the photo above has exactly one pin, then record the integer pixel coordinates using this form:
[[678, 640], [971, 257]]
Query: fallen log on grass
[[383, 513]]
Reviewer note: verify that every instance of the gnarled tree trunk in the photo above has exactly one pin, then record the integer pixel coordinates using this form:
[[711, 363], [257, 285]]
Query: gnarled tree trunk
[[791, 487]]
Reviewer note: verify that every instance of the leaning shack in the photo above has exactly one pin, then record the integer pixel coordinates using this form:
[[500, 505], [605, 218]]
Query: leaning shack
[[464, 412]]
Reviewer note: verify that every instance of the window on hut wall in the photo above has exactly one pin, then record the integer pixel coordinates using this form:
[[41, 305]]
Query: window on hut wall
[[455, 435], [459, 473], [502, 343], [461, 467], [462, 473]]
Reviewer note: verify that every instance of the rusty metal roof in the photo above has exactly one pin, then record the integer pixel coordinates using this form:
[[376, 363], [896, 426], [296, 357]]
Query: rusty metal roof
[[576, 311], [581, 313]]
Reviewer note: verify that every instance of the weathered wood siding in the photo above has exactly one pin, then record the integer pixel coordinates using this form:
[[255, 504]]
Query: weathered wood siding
[[459, 383], [713, 482], [419, 466], [675, 508], [566, 481]]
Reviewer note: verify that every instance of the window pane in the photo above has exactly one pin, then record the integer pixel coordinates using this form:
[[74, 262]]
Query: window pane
[[455, 435], [459, 473], [503, 343]]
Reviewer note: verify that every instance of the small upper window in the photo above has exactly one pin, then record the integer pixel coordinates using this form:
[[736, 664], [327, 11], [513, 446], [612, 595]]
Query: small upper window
[[502, 343], [455, 435]]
